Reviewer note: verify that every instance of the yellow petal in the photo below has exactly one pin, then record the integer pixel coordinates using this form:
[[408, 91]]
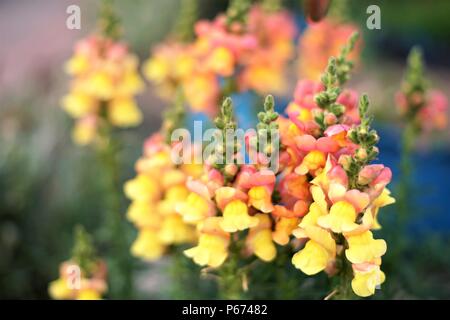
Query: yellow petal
[[175, 231], [259, 239], [222, 61], [147, 245], [143, 214], [130, 84], [323, 238], [312, 259], [261, 199], [283, 229], [84, 133], [363, 248], [88, 294], [312, 161], [100, 85], [365, 283], [78, 104], [157, 69], [77, 65], [341, 218], [319, 197], [212, 250], [58, 289], [123, 112], [235, 217], [310, 219], [194, 209], [263, 246], [142, 188], [383, 199]]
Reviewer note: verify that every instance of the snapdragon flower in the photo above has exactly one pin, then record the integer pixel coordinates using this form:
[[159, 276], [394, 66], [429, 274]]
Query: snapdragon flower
[[105, 81]]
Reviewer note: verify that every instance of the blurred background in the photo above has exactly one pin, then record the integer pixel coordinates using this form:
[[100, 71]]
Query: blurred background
[[48, 185]]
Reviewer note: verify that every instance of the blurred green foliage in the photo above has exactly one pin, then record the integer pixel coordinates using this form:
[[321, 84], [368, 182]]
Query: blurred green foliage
[[48, 185]]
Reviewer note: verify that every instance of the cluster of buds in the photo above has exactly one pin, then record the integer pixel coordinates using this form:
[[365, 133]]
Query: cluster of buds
[[320, 41], [230, 204], [425, 108], [236, 51], [83, 277], [319, 105], [103, 88]]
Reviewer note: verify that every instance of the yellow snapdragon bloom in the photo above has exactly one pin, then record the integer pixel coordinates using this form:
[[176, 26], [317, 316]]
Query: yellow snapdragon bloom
[[260, 198], [100, 85], [142, 188], [259, 239], [283, 229], [313, 161], [382, 200], [84, 132], [312, 259], [175, 231], [143, 215], [236, 217], [221, 61], [174, 196], [79, 104], [318, 252], [364, 248], [78, 64], [194, 209], [105, 81], [148, 245], [365, 283], [124, 112], [59, 289], [212, 248], [89, 294], [341, 218], [156, 69]]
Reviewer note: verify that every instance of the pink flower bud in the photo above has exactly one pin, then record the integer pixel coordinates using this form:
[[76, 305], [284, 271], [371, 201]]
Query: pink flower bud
[[330, 119]]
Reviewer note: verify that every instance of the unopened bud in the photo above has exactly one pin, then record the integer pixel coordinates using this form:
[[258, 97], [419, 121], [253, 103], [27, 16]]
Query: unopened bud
[[375, 150], [361, 153], [345, 161], [417, 99], [338, 109], [317, 113], [330, 119], [376, 138], [352, 135]]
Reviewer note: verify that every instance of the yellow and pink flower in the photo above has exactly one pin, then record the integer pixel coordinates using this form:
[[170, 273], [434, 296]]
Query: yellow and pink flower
[[156, 192], [105, 81]]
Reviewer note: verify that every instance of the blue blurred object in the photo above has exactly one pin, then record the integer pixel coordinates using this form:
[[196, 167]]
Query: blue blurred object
[[431, 186]]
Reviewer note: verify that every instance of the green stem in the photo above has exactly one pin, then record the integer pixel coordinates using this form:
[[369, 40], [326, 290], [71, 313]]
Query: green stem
[[230, 276], [114, 232], [345, 291], [408, 138], [286, 288], [345, 276], [185, 277], [404, 191], [184, 27]]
